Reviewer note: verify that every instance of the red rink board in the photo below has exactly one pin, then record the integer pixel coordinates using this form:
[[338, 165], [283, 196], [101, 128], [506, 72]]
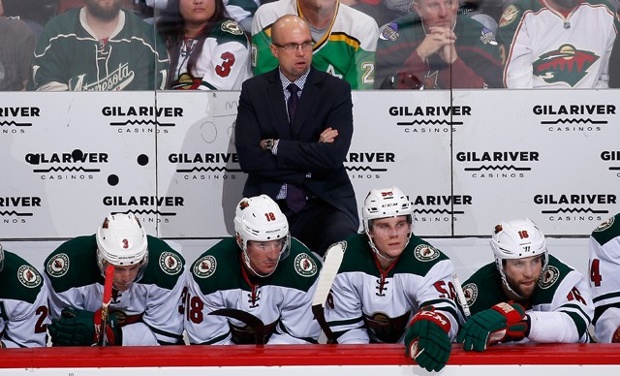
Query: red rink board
[[298, 355]]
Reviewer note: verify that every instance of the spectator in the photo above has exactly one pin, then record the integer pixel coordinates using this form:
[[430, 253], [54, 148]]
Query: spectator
[[207, 49], [344, 40], [99, 47], [526, 294], [23, 303], [261, 271], [241, 11], [437, 48], [383, 11], [604, 264], [298, 159], [146, 291], [557, 43], [16, 47], [393, 286]]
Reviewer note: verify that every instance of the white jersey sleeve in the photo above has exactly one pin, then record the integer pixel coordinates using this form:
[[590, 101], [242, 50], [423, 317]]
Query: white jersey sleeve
[[227, 67], [568, 316], [604, 270], [24, 323]]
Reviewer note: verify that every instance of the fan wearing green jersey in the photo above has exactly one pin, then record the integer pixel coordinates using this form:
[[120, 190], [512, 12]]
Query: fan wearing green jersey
[[344, 39], [99, 47]]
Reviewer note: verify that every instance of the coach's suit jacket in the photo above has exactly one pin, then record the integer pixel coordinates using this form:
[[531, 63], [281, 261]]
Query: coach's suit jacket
[[325, 102]]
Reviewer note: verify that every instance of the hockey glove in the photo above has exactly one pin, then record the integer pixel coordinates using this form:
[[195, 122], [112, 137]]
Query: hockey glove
[[500, 322], [76, 327], [615, 338], [427, 341]]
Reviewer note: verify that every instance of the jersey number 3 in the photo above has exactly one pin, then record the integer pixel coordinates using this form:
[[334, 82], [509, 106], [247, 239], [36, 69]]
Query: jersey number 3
[[228, 59]]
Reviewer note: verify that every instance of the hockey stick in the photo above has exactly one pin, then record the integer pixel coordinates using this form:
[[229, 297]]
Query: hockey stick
[[461, 295], [247, 318], [101, 321], [333, 259]]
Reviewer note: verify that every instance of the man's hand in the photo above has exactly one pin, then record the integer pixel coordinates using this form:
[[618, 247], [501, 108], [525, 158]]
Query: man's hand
[[76, 327], [328, 135], [616, 337], [427, 341], [441, 41], [502, 322]]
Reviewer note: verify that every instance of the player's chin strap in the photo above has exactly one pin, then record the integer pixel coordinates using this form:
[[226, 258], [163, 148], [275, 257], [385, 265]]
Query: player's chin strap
[[374, 248], [500, 268]]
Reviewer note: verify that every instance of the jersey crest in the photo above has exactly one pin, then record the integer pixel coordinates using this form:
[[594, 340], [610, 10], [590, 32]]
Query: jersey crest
[[28, 276], [566, 64], [548, 277], [470, 291], [232, 27], [425, 253], [605, 225], [58, 265], [509, 15], [305, 265], [390, 32], [205, 267], [170, 263]]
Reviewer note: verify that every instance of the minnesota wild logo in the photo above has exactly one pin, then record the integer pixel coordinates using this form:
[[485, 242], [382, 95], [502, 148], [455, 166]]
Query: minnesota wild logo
[[566, 64]]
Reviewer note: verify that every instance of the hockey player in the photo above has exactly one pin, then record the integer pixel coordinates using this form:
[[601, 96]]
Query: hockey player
[[604, 273], [99, 47], [344, 39], [525, 294], [262, 271], [208, 50], [23, 303], [394, 287], [557, 43], [147, 286]]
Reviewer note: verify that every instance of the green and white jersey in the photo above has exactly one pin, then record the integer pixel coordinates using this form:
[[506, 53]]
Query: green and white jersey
[[562, 298], [604, 266], [347, 50], [367, 304], [151, 304], [23, 304], [68, 56], [282, 301]]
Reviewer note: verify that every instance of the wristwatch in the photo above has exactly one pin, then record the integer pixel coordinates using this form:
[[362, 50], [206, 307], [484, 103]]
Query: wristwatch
[[269, 144]]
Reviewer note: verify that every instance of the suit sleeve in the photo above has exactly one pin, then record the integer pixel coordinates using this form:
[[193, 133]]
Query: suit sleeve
[[315, 157], [248, 134]]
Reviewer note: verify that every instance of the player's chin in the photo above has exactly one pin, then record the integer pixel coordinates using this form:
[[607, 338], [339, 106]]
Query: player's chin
[[123, 287]]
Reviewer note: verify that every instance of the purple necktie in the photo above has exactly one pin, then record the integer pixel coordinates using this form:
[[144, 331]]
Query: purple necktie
[[292, 101], [295, 196]]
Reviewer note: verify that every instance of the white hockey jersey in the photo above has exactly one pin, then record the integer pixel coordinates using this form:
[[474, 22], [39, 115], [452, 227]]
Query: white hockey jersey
[[545, 48]]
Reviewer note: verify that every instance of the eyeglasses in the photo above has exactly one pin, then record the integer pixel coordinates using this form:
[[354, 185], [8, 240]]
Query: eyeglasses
[[295, 46]]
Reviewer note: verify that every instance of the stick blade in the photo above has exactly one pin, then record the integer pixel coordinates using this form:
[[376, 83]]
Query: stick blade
[[331, 265]]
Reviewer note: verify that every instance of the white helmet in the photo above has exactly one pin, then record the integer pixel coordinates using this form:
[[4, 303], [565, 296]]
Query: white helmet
[[385, 203], [260, 219], [517, 239], [1, 258], [121, 241]]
